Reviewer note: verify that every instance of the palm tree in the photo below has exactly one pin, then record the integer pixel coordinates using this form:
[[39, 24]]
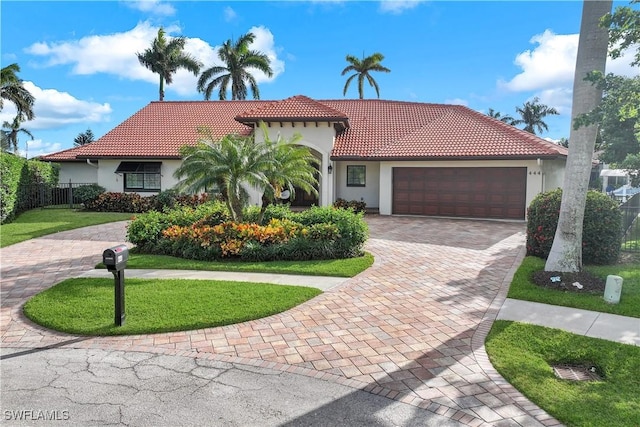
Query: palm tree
[[499, 116], [10, 134], [532, 113], [293, 166], [166, 57], [237, 59], [12, 90], [566, 250], [232, 162], [362, 69]]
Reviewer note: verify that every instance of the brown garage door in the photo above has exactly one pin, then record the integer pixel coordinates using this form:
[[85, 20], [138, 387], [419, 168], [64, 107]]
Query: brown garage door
[[463, 192]]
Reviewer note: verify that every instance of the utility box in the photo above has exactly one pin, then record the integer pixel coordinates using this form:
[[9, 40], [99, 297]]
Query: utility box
[[613, 289], [115, 258]]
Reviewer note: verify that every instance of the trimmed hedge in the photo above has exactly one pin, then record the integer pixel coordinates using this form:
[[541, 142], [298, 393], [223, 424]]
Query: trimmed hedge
[[206, 233], [357, 206], [18, 178], [135, 203], [601, 234]]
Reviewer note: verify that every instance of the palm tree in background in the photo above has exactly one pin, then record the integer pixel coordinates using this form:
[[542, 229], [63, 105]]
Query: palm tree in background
[[12, 90], [533, 113], [166, 57], [10, 133], [499, 116], [361, 70], [238, 59]]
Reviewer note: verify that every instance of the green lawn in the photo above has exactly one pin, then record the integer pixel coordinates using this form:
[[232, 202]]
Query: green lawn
[[40, 222], [348, 267], [86, 306], [523, 354], [523, 288]]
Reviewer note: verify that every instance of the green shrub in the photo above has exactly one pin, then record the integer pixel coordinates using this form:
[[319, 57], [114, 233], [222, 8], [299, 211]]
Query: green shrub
[[145, 231], [206, 233], [273, 211], [18, 186], [355, 205], [87, 193], [120, 202], [352, 229], [601, 235]]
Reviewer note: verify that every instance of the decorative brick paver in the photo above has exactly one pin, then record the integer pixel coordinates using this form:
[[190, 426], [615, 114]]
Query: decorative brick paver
[[410, 328]]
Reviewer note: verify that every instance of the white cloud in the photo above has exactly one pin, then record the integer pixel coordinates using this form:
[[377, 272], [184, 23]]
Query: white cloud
[[398, 6], [156, 7], [551, 63], [457, 101], [116, 54], [54, 109], [548, 70], [229, 14], [37, 147]]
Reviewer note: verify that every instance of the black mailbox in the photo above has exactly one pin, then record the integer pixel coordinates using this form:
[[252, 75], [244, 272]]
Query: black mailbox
[[115, 258]]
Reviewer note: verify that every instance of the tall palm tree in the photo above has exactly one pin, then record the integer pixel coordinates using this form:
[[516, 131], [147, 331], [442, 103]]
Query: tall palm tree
[[504, 118], [293, 166], [166, 57], [12, 90], [237, 59], [10, 134], [533, 113], [233, 161], [566, 250], [362, 69]]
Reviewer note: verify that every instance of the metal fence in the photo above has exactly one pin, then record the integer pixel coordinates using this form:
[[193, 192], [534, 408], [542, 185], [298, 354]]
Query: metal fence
[[631, 224], [48, 196]]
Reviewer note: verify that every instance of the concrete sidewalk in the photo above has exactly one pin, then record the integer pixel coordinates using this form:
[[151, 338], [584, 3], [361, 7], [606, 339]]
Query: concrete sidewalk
[[321, 282], [593, 324]]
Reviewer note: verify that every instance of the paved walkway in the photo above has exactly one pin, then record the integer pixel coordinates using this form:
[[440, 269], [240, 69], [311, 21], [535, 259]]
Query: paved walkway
[[411, 328]]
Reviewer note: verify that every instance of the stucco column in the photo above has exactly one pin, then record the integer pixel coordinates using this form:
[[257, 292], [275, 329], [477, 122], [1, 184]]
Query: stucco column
[[326, 185]]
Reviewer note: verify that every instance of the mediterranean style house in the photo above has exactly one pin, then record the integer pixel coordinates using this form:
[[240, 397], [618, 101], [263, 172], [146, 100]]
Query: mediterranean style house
[[404, 158]]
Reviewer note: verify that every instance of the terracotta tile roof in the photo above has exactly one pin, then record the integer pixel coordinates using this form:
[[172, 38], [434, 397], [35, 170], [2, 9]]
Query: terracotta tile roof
[[292, 109], [377, 129]]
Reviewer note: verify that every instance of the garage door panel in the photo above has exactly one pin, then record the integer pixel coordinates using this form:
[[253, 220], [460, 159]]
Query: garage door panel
[[465, 192]]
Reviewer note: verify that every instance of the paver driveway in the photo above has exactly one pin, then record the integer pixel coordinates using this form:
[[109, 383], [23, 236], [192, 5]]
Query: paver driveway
[[410, 328]]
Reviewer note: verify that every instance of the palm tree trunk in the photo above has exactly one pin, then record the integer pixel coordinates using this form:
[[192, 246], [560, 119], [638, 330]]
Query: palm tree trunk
[[566, 251], [161, 88]]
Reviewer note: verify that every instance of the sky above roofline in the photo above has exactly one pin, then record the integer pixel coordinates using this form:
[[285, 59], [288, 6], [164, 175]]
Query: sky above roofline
[[78, 58]]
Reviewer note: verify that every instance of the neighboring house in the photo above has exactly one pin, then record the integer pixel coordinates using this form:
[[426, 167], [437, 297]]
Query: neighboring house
[[403, 158]]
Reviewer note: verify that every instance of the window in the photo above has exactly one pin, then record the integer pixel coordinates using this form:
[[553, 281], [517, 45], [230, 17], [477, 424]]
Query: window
[[356, 176], [140, 176]]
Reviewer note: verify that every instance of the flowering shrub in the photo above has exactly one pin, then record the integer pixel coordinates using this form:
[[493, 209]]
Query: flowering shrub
[[135, 203], [357, 206], [206, 232], [601, 234]]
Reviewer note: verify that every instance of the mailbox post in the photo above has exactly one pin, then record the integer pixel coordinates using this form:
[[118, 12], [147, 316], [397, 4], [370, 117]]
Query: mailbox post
[[115, 259]]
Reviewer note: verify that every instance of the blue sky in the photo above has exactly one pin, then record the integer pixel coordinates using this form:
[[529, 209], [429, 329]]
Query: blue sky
[[79, 57]]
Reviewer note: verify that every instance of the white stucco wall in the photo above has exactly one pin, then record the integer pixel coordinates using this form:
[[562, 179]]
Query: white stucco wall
[[541, 176], [115, 182], [370, 193], [78, 172]]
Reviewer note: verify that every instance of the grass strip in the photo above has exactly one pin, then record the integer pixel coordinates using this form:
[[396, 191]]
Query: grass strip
[[86, 306], [523, 288], [523, 354], [347, 267], [40, 222]]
